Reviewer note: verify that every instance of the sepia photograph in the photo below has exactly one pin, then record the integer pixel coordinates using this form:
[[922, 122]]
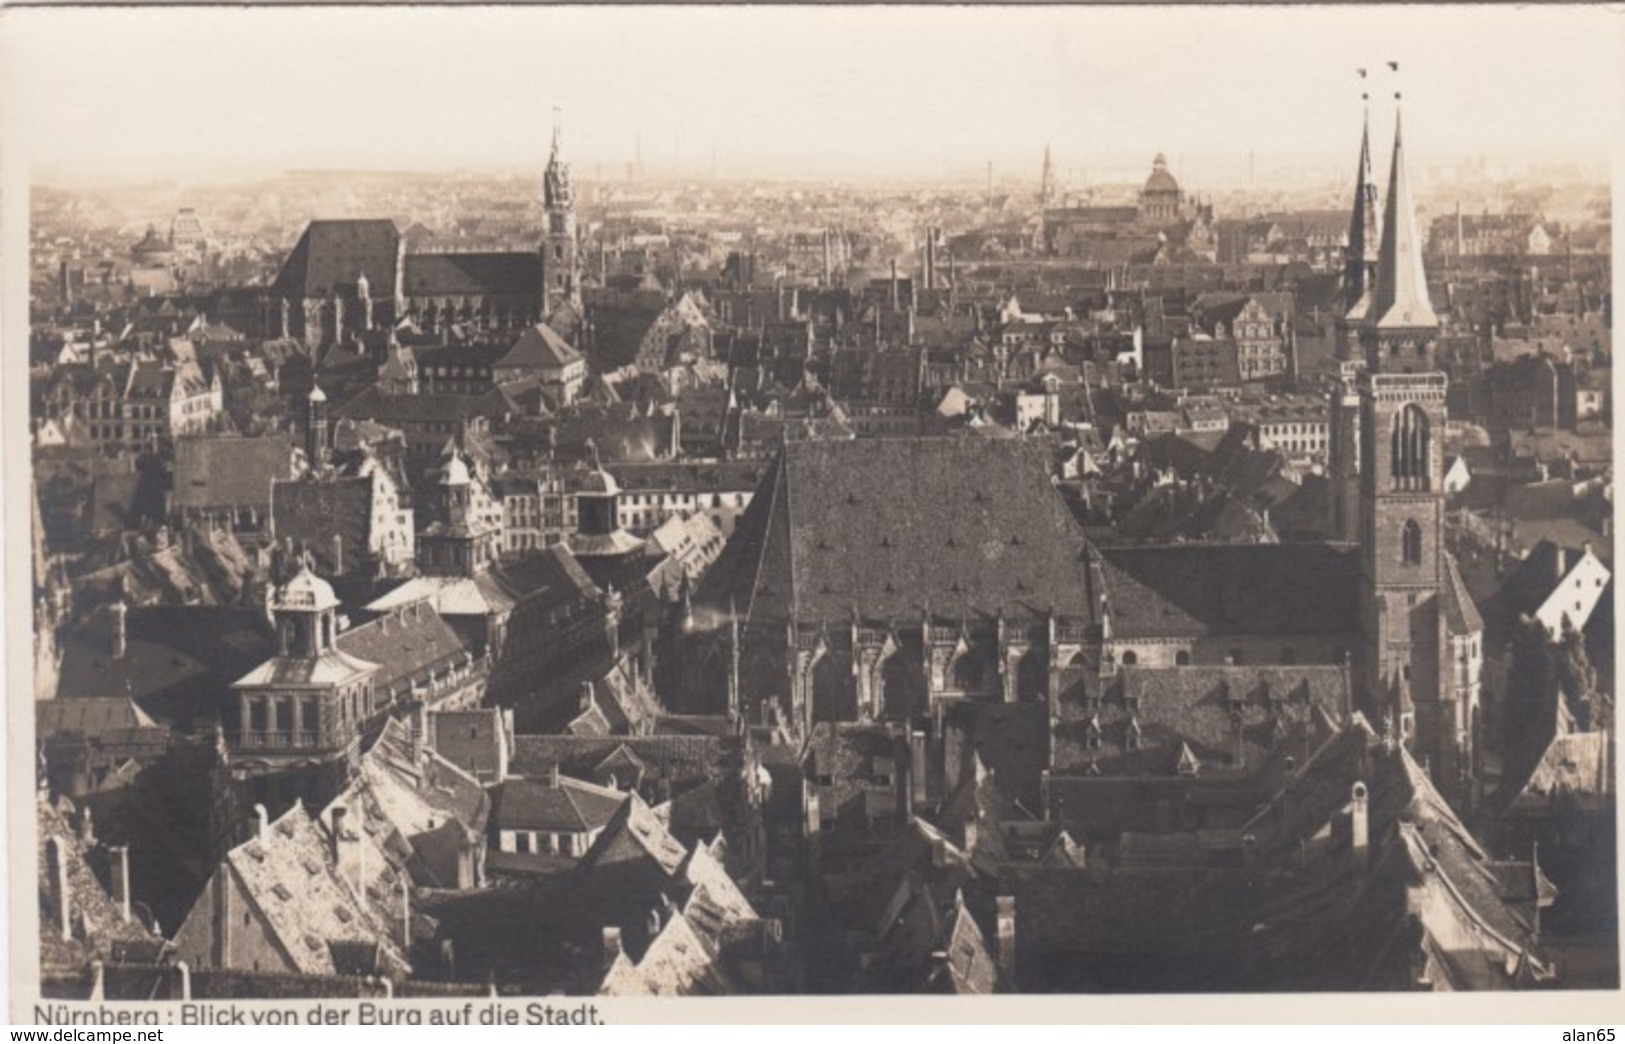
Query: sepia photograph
[[584, 502]]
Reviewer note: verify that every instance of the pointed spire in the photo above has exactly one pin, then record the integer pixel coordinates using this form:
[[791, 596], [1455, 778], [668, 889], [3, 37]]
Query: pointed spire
[[1401, 298], [1360, 260]]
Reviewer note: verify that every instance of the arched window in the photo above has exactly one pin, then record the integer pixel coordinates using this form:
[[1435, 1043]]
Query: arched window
[[1410, 542], [1182, 658], [1130, 659], [1408, 448]]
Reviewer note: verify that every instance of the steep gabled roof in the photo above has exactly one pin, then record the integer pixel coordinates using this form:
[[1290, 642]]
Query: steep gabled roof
[[838, 525], [330, 255], [540, 347]]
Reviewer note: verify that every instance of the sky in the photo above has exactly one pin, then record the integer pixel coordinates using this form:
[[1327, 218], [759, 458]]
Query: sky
[[876, 90]]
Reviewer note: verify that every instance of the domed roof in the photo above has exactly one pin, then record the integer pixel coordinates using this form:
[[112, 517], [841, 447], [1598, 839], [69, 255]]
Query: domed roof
[[1160, 180], [152, 245], [456, 472], [306, 592], [600, 481], [317, 395]]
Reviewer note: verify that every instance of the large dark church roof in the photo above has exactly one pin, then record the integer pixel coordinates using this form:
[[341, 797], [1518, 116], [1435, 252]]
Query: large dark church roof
[[1196, 590], [331, 254], [895, 527], [497, 274]]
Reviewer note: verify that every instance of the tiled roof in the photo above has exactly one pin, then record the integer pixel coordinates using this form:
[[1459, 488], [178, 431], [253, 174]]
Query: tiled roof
[[635, 823], [539, 348], [229, 471], [496, 274], [1229, 718], [99, 930], [572, 806], [331, 254], [312, 511], [1257, 589], [331, 668], [178, 659], [678, 963], [680, 759], [408, 646], [290, 877], [838, 526]]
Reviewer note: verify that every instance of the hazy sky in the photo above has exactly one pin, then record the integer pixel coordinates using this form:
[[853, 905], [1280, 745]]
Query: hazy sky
[[874, 90]]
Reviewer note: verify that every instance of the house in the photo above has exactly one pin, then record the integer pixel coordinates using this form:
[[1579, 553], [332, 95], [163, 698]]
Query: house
[[541, 355], [545, 825], [282, 902], [226, 480], [81, 918]]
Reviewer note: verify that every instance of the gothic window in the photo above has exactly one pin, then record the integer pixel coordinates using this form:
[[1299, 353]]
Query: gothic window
[[1410, 541], [1408, 446]]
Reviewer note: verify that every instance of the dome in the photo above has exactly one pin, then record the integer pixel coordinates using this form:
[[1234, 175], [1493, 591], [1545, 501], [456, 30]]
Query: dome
[[456, 472], [317, 395], [306, 592], [600, 481], [152, 247], [1160, 180]]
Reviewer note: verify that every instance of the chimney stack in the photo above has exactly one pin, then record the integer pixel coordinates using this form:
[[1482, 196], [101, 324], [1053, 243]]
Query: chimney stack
[[58, 855], [612, 946], [1360, 825], [553, 776], [970, 833], [918, 768], [119, 612], [406, 913], [338, 554], [121, 880], [1006, 905], [339, 815], [264, 817]]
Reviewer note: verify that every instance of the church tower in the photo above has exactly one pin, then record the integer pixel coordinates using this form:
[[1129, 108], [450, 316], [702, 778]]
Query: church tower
[[561, 248], [1046, 184], [1415, 614], [1359, 279]]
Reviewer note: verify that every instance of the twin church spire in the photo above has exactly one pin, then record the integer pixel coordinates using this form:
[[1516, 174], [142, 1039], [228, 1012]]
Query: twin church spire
[[1385, 284]]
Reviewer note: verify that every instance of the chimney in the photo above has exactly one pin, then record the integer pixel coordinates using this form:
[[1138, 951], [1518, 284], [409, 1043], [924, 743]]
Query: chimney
[[1360, 826], [58, 853], [1007, 942], [406, 913], [263, 833], [119, 611], [1560, 560], [970, 833], [186, 979], [121, 880], [918, 767], [896, 298], [553, 776], [654, 923], [338, 554], [612, 946], [338, 816]]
